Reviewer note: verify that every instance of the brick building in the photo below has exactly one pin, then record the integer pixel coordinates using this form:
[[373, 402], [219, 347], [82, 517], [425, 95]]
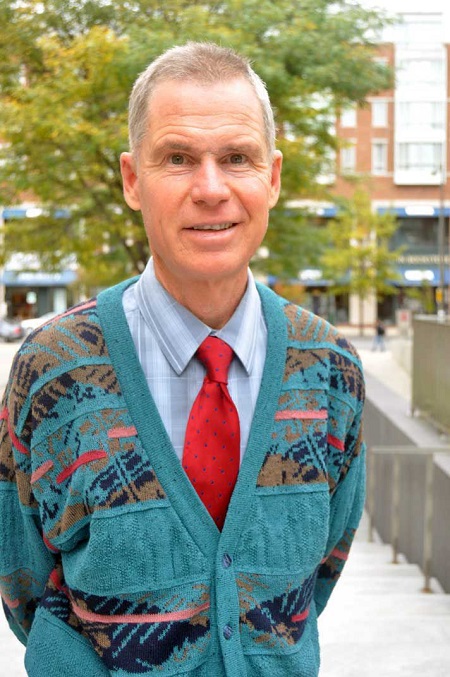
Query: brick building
[[398, 146]]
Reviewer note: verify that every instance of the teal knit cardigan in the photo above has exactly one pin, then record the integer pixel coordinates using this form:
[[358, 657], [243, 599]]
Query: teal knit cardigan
[[109, 562]]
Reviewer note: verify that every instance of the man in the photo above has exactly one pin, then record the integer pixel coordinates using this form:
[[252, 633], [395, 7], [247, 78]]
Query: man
[[155, 521], [378, 339]]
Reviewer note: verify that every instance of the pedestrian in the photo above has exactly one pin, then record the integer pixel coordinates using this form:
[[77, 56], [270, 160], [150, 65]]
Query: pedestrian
[[164, 512], [378, 339]]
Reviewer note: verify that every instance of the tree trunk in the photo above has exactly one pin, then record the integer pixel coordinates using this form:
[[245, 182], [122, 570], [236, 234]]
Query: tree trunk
[[361, 315]]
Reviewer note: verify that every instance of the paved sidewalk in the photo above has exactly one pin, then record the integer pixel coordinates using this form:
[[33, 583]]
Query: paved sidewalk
[[379, 623], [11, 652], [382, 365]]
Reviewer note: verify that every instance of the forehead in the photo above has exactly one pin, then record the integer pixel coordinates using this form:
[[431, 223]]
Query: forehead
[[225, 107]]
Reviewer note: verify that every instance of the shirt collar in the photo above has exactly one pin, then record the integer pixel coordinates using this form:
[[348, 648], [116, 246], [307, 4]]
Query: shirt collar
[[179, 332]]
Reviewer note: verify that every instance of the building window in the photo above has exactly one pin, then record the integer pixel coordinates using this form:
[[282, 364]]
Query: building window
[[348, 157], [348, 117], [379, 157], [420, 70], [420, 28], [381, 60], [417, 234], [419, 157], [429, 114], [379, 113]]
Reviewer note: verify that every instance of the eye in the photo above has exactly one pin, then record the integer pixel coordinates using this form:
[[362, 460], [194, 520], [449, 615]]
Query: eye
[[237, 159], [177, 159]]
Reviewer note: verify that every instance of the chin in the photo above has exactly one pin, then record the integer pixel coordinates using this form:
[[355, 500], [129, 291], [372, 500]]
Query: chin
[[215, 271]]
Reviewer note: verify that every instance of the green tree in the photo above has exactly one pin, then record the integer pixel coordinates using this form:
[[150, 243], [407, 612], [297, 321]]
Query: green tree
[[358, 258], [66, 70]]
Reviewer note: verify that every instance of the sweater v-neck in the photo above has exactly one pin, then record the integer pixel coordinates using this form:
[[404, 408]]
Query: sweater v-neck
[[155, 440]]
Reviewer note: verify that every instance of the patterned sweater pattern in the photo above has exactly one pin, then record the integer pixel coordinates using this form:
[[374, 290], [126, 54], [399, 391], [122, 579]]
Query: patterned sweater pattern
[[109, 562]]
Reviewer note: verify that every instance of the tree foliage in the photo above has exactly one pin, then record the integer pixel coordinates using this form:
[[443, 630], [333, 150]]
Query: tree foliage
[[358, 258], [66, 70]]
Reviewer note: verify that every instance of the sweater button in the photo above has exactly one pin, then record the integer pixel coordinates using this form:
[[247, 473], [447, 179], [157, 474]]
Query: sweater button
[[226, 561], [227, 632]]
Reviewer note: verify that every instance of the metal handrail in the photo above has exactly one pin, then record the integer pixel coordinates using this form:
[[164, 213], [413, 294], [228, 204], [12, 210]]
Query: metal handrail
[[398, 452]]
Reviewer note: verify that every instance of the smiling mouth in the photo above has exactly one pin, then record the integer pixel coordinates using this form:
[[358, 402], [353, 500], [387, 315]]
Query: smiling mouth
[[217, 226]]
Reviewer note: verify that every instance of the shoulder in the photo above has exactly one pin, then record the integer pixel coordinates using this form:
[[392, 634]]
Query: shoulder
[[75, 333], [316, 348], [77, 327], [56, 347]]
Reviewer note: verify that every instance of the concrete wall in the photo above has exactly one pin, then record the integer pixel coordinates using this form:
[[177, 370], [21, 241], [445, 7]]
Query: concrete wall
[[431, 369], [401, 349], [441, 526], [384, 426]]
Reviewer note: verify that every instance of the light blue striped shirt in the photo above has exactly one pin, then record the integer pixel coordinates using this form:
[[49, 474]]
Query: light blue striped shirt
[[166, 336]]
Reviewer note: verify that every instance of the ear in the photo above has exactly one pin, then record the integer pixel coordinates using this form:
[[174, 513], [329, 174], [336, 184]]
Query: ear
[[130, 181], [275, 183]]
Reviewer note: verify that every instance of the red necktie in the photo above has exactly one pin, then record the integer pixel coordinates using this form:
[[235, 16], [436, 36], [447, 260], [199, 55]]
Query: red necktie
[[212, 445]]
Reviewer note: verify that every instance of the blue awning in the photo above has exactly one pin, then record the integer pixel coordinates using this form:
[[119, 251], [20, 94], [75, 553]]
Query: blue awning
[[306, 282], [408, 276], [30, 212], [420, 275], [418, 211], [15, 278], [409, 211]]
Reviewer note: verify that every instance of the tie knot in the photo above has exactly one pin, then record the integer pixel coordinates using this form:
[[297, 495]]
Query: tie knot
[[216, 356]]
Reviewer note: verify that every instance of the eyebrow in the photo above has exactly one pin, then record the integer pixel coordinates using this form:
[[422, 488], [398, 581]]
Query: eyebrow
[[175, 145], [244, 148]]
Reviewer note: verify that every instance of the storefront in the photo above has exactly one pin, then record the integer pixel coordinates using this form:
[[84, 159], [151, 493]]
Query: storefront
[[31, 294], [26, 290]]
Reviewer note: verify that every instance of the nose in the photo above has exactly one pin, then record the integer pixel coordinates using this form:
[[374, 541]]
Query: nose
[[210, 185]]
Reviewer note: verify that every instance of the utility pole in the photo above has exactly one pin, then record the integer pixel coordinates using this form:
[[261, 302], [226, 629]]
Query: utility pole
[[441, 248]]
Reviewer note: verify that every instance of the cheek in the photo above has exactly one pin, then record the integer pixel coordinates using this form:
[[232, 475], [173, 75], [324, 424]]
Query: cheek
[[258, 192], [155, 207], [256, 198]]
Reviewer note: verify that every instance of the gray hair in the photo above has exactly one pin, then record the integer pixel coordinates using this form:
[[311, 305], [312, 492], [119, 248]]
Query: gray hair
[[201, 62]]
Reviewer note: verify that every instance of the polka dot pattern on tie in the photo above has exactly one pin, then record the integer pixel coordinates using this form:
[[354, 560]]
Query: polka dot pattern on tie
[[212, 441]]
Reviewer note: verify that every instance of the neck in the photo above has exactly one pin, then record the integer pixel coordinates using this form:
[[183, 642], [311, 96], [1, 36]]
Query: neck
[[212, 302]]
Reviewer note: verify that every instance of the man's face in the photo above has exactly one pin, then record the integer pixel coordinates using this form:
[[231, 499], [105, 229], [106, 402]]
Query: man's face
[[203, 181]]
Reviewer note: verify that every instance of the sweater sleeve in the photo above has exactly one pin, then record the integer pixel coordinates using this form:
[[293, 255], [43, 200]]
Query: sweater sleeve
[[346, 508], [25, 560]]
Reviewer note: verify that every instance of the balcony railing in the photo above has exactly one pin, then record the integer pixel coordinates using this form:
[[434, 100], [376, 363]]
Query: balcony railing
[[399, 500]]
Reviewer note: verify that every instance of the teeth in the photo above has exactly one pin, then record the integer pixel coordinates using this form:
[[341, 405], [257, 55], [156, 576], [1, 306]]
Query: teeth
[[217, 226]]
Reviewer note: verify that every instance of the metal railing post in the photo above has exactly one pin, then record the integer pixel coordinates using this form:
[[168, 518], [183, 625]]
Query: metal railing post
[[371, 494], [395, 520], [428, 523], [397, 452]]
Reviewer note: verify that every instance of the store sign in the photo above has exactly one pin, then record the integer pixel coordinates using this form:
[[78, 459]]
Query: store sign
[[419, 275], [310, 274]]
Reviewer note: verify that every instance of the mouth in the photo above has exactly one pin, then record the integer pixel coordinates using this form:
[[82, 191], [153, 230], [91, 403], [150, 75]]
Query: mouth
[[213, 226]]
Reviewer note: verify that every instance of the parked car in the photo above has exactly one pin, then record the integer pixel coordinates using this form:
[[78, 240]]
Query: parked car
[[35, 322], [11, 330]]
